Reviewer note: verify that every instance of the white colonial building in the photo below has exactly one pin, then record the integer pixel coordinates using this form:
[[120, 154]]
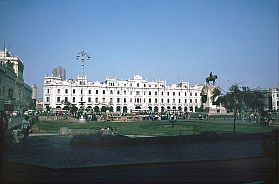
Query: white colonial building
[[121, 95], [275, 98]]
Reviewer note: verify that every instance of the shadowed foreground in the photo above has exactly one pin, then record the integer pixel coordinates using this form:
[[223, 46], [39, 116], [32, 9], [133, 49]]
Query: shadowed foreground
[[256, 169]]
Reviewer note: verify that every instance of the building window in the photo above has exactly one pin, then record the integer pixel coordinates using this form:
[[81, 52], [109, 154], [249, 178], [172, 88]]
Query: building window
[[74, 91], [111, 92], [196, 100], [124, 92], [81, 91], [137, 93], [155, 92], [66, 91], [47, 99], [144, 85], [124, 100], [190, 94], [48, 91], [168, 93], [74, 99], [118, 92], [89, 91], [162, 100], [196, 94], [104, 92], [131, 100], [131, 92], [97, 92], [168, 100], [104, 100], [118, 100], [191, 100], [137, 84], [89, 99], [185, 100], [96, 100], [149, 100], [156, 101], [173, 100], [178, 93], [173, 93], [58, 90], [162, 93], [58, 99], [179, 100], [66, 99], [185, 94], [149, 93]]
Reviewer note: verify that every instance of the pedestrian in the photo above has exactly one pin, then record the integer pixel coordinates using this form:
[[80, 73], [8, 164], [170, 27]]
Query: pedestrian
[[15, 133], [2, 128], [25, 126]]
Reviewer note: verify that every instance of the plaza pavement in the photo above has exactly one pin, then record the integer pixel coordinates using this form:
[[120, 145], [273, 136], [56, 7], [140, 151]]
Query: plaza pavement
[[53, 153]]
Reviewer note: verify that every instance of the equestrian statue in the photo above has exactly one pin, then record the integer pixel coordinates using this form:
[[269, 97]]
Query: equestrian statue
[[211, 78]]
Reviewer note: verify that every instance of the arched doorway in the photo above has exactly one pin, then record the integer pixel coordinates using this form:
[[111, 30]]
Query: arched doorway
[[110, 109], [185, 109], [168, 107], [196, 109], [162, 109], [118, 108], [150, 108], [125, 109], [137, 107], [180, 108], [191, 109], [174, 108], [103, 109], [156, 109], [96, 109]]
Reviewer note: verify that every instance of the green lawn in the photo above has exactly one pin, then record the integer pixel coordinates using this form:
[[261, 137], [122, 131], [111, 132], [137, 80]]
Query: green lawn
[[157, 128]]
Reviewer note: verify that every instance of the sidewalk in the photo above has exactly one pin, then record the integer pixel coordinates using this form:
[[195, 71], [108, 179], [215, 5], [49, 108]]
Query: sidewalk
[[54, 151]]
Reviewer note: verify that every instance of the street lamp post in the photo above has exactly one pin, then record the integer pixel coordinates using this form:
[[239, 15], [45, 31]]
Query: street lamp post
[[82, 56]]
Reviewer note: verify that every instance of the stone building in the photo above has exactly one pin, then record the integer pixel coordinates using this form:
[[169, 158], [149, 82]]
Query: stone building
[[121, 95], [275, 98], [15, 95]]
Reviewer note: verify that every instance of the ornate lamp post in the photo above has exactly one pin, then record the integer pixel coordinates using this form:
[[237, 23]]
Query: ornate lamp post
[[82, 56]]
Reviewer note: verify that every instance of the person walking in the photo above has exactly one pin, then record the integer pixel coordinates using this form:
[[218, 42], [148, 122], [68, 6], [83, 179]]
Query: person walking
[[2, 128], [15, 133], [25, 126]]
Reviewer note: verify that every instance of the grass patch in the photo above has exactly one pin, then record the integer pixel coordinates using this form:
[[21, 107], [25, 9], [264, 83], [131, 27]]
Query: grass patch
[[157, 128]]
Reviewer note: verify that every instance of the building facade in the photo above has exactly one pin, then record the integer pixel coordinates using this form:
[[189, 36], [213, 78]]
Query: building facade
[[123, 96], [15, 95], [275, 98], [59, 72]]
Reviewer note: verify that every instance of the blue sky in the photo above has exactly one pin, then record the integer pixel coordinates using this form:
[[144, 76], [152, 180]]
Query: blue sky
[[160, 39]]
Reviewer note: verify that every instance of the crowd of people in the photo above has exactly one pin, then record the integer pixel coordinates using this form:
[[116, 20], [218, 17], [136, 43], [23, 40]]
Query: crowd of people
[[23, 127]]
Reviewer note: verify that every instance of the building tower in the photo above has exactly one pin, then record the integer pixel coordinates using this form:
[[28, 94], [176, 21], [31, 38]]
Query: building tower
[[59, 72], [34, 92]]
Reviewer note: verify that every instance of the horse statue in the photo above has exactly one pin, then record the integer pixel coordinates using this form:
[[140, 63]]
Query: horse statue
[[211, 78]]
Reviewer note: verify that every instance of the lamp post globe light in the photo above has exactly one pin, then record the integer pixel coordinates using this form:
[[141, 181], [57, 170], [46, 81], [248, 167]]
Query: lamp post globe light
[[82, 56]]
